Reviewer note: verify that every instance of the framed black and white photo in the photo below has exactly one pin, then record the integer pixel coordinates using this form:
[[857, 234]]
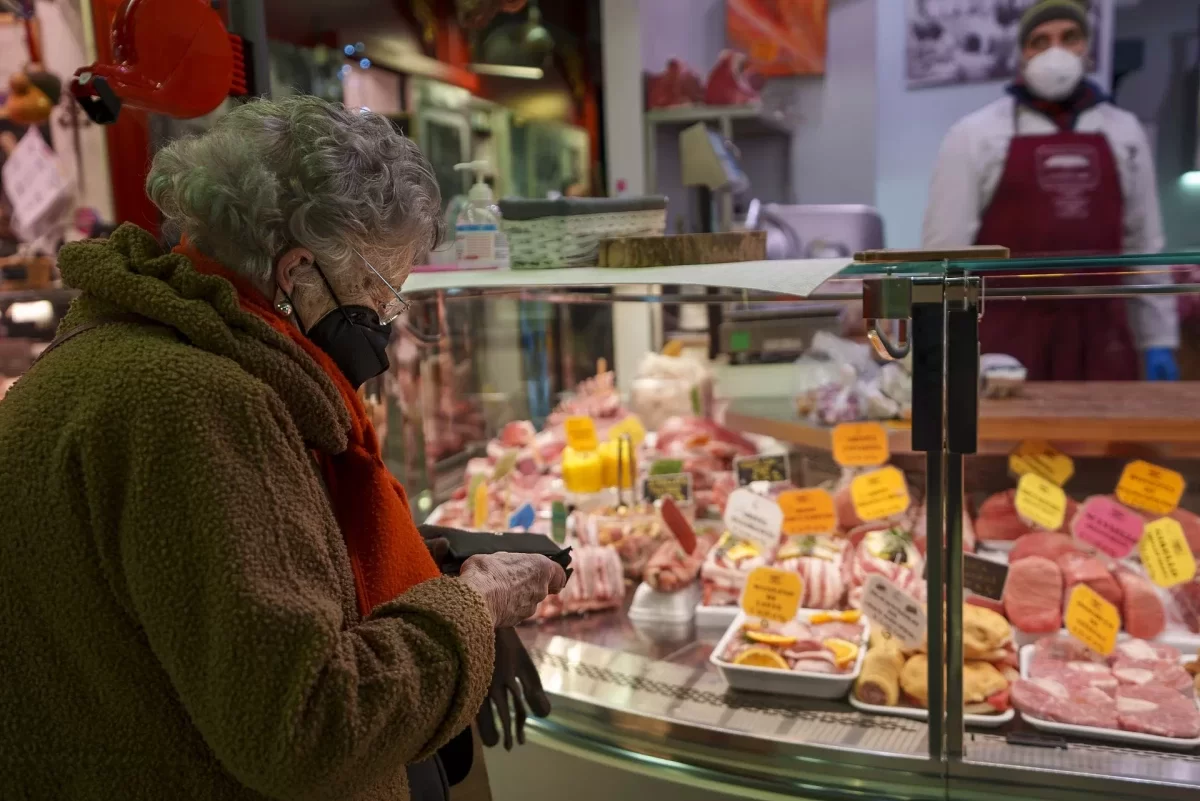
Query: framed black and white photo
[[951, 42]]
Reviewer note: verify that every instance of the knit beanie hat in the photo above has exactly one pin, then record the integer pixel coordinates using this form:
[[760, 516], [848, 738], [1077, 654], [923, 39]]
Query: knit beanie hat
[[1045, 11]]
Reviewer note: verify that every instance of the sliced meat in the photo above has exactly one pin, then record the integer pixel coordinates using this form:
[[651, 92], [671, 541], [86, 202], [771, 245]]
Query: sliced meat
[[1042, 698], [1142, 610], [1033, 595], [671, 569], [1075, 675], [997, 519], [1160, 673], [851, 632], [814, 665], [1140, 650], [1080, 568], [1065, 648], [1090, 707], [1150, 709], [1191, 527], [1046, 544]]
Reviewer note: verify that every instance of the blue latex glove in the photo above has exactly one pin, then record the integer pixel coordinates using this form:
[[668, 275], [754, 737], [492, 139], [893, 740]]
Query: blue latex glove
[[1161, 365]]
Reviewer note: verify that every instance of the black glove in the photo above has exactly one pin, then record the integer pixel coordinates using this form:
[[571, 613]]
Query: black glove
[[515, 677]]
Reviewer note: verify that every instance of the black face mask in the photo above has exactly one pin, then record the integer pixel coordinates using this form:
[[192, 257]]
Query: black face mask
[[353, 337]]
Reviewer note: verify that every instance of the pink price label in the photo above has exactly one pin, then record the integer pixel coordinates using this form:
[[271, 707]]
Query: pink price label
[[1109, 527]]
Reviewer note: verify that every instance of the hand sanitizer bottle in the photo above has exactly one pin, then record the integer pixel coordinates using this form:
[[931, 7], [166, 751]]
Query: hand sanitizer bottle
[[478, 241]]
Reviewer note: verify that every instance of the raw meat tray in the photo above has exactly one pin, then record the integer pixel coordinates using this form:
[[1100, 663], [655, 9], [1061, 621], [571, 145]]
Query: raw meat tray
[[912, 713], [787, 682], [1097, 733]]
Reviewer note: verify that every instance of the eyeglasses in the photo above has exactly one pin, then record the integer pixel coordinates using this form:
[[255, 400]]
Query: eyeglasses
[[394, 307]]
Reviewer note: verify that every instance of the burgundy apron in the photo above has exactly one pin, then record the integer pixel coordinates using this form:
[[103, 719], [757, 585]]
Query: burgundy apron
[[1060, 195]]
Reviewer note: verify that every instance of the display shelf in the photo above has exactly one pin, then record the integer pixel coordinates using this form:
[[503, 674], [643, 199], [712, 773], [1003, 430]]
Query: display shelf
[[1080, 418], [749, 119]]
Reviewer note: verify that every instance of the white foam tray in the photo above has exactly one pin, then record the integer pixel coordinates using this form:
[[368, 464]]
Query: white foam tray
[[786, 682], [716, 617], [913, 713], [1097, 733], [651, 606]]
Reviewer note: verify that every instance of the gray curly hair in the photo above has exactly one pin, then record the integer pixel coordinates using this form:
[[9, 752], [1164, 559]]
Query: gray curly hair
[[301, 172]]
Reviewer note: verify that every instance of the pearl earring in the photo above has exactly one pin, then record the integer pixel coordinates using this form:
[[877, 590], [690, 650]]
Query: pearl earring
[[284, 307]]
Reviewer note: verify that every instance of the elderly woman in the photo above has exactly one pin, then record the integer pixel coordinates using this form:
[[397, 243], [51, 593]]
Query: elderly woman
[[211, 586]]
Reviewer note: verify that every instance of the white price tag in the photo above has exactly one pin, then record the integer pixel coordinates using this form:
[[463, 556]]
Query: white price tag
[[753, 518], [893, 610]]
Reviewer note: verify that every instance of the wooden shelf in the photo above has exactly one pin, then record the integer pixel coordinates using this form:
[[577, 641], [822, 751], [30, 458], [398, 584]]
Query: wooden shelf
[[1079, 418]]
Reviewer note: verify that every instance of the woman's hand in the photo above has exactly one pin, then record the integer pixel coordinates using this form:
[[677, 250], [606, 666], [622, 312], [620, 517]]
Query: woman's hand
[[512, 584]]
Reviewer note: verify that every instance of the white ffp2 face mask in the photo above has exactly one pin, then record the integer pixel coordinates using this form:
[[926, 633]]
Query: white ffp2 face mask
[[1054, 73]]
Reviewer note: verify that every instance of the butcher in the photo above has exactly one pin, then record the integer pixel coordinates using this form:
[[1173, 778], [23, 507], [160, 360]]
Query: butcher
[[1054, 168]]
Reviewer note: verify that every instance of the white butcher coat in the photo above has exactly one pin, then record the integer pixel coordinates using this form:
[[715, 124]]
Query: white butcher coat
[[971, 162]]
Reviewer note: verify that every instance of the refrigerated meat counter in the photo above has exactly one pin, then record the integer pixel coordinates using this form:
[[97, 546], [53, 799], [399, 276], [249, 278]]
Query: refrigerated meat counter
[[647, 699]]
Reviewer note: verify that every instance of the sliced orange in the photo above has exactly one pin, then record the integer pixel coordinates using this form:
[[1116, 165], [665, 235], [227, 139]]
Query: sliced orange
[[849, 616], [760, 657], [769, 638], [844, 651]]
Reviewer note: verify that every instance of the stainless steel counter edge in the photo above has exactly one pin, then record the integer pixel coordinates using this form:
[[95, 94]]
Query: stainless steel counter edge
[[647, 699]]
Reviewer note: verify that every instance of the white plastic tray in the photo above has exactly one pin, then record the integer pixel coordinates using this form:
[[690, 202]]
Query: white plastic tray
[[913, 713], [651, 606], [716, 617], [1097, 733], [787, 682]]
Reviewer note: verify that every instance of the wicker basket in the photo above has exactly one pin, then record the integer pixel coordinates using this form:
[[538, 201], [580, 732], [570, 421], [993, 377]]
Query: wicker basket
[[567, 232]]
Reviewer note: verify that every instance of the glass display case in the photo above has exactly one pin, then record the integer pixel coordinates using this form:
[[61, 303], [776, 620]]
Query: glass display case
[[1060, 696]]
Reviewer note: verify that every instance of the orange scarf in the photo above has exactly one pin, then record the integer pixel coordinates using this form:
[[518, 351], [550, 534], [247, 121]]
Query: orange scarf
[[386, 551]]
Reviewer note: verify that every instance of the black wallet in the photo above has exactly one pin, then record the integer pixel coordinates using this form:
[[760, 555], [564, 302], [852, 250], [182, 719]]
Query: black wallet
[[465, 544]]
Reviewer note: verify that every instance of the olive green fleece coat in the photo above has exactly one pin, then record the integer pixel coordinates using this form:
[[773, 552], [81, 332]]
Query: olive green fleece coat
[[178, 612]]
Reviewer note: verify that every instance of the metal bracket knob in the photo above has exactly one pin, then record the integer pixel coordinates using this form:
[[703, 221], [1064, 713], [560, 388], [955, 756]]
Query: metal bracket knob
[[884, 346]]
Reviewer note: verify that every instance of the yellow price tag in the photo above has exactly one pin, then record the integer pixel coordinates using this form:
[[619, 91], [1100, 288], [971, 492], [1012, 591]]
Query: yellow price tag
[[481, 505], [1150, 487], [860, 445], [673, 348], [1092, 620], [1041, 459], [1165, 553], [807, 511], [631, 425], [773, 594], [879, 494], [1041, 502], [581, 433]]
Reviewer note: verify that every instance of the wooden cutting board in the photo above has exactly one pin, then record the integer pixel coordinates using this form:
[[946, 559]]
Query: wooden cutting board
[[666, 251], [1095, 411]]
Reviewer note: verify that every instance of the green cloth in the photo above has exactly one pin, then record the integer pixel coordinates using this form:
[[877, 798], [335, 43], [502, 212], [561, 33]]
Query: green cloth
[[1045, 11], [178, 608]]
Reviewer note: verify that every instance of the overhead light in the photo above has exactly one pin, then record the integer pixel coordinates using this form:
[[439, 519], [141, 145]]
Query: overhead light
[[1190, 179], [507, 71]]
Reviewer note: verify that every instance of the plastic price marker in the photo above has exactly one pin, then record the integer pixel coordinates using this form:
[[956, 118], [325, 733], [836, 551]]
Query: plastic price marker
[[893, 610], [1108, 526], [879, 494], [753, 518], [1166, 555], [807, 511], [772, 594], [1041, 502], [860, 445], [1041, 459], [1092, 620], [1150, 487]]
